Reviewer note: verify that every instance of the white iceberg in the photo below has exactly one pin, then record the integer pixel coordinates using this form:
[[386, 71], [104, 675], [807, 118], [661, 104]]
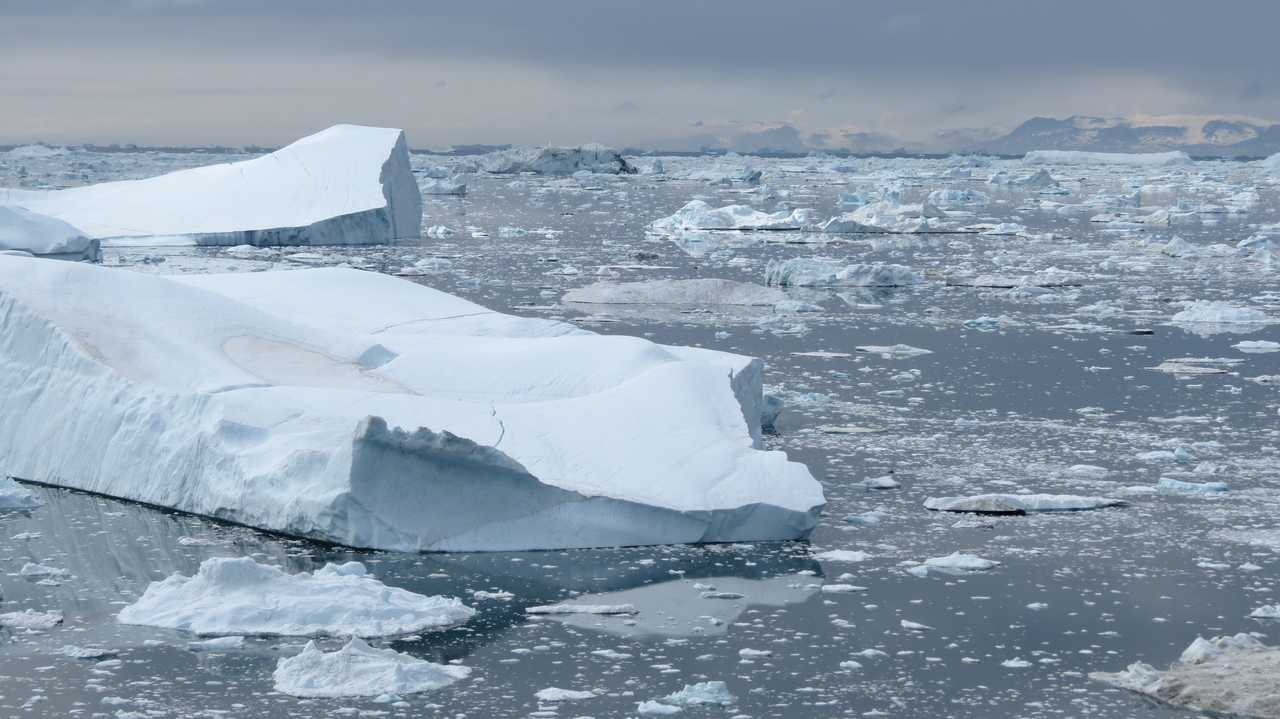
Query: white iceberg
[[1270, 165], [959, 562], [16, 496], [817, 272], [700, 216], [1018, 503], [342, 186], [888, 217], [359, 670], [1229, 675], [1125, 159], [702, 292], [957, 198], [22, 230], [1214, 312], [701, 694], [556, 694], [591, 157], [371, 411], [31, 619], [1168, 485], [239, 596], [443, 186]]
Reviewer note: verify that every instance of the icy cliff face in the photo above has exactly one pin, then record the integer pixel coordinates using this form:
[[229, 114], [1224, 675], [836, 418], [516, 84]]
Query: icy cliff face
[[22, 230], [348, 184], [370, 411]]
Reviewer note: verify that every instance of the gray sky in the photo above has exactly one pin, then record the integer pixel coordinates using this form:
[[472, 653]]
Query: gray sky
[[639, 73]]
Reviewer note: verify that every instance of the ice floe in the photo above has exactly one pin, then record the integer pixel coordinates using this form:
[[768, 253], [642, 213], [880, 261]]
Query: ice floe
[[359, 670], [820, 272], [697, 215], [1018, 503], [700, 292], [242, 597]]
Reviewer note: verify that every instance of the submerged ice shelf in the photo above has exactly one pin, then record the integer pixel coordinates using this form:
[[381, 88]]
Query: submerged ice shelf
[[374, 412], [346, 185]]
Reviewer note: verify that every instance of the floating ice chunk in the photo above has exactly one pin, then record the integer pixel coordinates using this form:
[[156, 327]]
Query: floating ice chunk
[[701, 694], [556, 694], [817, 272], [16, 496], [31, 569], [1005, 228], [1015, 663], [22, 230], [960, 562], [1271, 164], [1125, 159], [1257, 346], [217, 644], [649, 707], [240, 596], [697, 215], [1267, 611], [366, 410], [341, 186], [897, 351], [885, 482], [1227, 675], [701, 292], [591, 157], [582, 609], [32, 152], [915, 626], [449, 186], [889, 217], [842, 555], [31, 619], [958, 198], [1215, 312], [1018, 503], [359, 670], [1168, 485]]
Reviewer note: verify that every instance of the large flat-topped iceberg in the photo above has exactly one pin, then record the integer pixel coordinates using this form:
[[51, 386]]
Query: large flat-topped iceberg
[[346, 185], [1129, 159], [370, 411]]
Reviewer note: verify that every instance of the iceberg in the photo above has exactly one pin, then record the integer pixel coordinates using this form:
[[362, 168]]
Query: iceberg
[[1018, 503], [370, 411], [703, 291], [1270, 165], [359, 670], [959, 563], [347, 185], [591, 157], [22, 230], [1125, 159], [1228, 675], [16, 496], [233, 597], [888, 217], [698, 215], [443, 186], [957, 198], [1214, 312], [819, 272]]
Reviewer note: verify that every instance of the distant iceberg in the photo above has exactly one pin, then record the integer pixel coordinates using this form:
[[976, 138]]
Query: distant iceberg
[[558, 160], [700, 216], [371, 411], [1128, 159], [347, 185]]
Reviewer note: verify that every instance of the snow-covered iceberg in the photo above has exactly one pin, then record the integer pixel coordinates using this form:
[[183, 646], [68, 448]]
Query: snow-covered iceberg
[[371, 411], [1126, 159], [347, 185], [22, 230], [1018, 503], [591, 157], [359, 670], [230, 597], [700, 216], [1229, 676]]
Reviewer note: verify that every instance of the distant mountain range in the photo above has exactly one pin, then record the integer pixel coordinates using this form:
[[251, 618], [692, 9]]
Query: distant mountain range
[[1212, 138]]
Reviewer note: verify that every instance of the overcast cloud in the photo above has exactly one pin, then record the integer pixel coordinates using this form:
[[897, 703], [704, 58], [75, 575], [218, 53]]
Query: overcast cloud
[[652, 73]]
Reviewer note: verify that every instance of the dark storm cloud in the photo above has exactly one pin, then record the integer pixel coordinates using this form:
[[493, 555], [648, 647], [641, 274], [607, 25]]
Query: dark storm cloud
[[885, 66]]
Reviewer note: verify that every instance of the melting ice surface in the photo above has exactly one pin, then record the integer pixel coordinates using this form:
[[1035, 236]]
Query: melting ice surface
[[1036, 384]]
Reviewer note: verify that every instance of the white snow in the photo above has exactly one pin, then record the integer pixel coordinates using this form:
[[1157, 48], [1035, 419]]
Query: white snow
[[820, 272], [1126, 159], [1018, 503], [22, 230], [558, 160], [1228, 675], [359, 670], [702, 291], [242, 597], [698, 215], [364, 409], [345, 185]]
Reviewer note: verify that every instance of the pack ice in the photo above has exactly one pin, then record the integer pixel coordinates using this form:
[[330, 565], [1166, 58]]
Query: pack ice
[[370, 411], [346, 185]]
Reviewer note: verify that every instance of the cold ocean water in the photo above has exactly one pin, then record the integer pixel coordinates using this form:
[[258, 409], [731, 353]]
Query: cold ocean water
[[1041, 389]]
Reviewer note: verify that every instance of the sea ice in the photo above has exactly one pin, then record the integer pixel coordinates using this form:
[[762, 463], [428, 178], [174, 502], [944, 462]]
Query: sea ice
[[959, 562], [1126, 159], [1018, 503], [1213, 312], [31, 619], [555, 694], [345, 185], [697, 215], [364, 409], [701, 292], [359, 670], [819, 272], [16, 496], [22, 230], [241, 597], [1167, 485]]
